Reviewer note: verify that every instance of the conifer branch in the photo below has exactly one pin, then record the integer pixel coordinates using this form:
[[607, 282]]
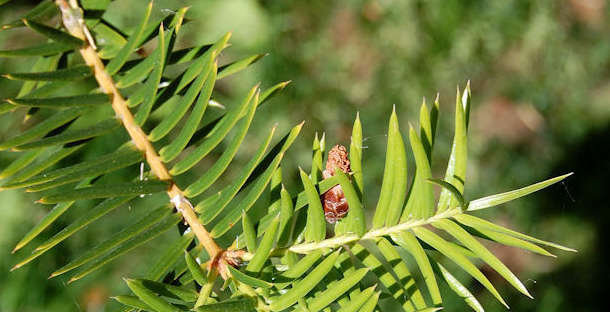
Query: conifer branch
[[72, 18]]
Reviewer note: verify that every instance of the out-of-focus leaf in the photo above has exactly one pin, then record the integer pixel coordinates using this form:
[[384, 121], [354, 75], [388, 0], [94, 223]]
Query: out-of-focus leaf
[[188, 54], [45, 88], [132, 155], [24, 159], [30, 112], [85, 219], [159, 228], [49, 124], [98, 129], [64, 101], [39, 50], [54, 34], [172, 253], [127, 233], [196, 68], [46, 159], [237, 66], [57, 211], [42, 64], [91, 215], [115, 161], [44, 9], [78, 72], [105, 191], [271, 91], [6, 107]]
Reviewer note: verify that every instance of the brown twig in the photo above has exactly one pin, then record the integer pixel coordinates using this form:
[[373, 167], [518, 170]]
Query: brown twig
[[73, 20]]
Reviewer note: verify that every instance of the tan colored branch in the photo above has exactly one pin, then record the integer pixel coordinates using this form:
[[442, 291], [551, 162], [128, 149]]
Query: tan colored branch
[[73, 20]]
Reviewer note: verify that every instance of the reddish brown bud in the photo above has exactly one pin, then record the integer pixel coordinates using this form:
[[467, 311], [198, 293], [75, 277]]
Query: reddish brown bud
[[334, 202]]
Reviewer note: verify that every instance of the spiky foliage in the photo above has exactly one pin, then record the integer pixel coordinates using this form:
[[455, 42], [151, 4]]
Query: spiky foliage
[[282, 260]]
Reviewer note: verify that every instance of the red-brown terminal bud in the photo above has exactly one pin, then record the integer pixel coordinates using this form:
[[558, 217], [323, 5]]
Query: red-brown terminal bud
[[333, 201]]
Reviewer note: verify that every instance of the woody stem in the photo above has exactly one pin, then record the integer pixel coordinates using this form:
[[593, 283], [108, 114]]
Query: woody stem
[[73, 21]]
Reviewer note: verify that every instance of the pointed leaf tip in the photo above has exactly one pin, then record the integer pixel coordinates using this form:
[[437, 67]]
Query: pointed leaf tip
[[501, 198]]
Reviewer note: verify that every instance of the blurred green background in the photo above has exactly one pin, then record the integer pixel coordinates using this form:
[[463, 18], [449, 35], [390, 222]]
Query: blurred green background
[[540, 75]]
